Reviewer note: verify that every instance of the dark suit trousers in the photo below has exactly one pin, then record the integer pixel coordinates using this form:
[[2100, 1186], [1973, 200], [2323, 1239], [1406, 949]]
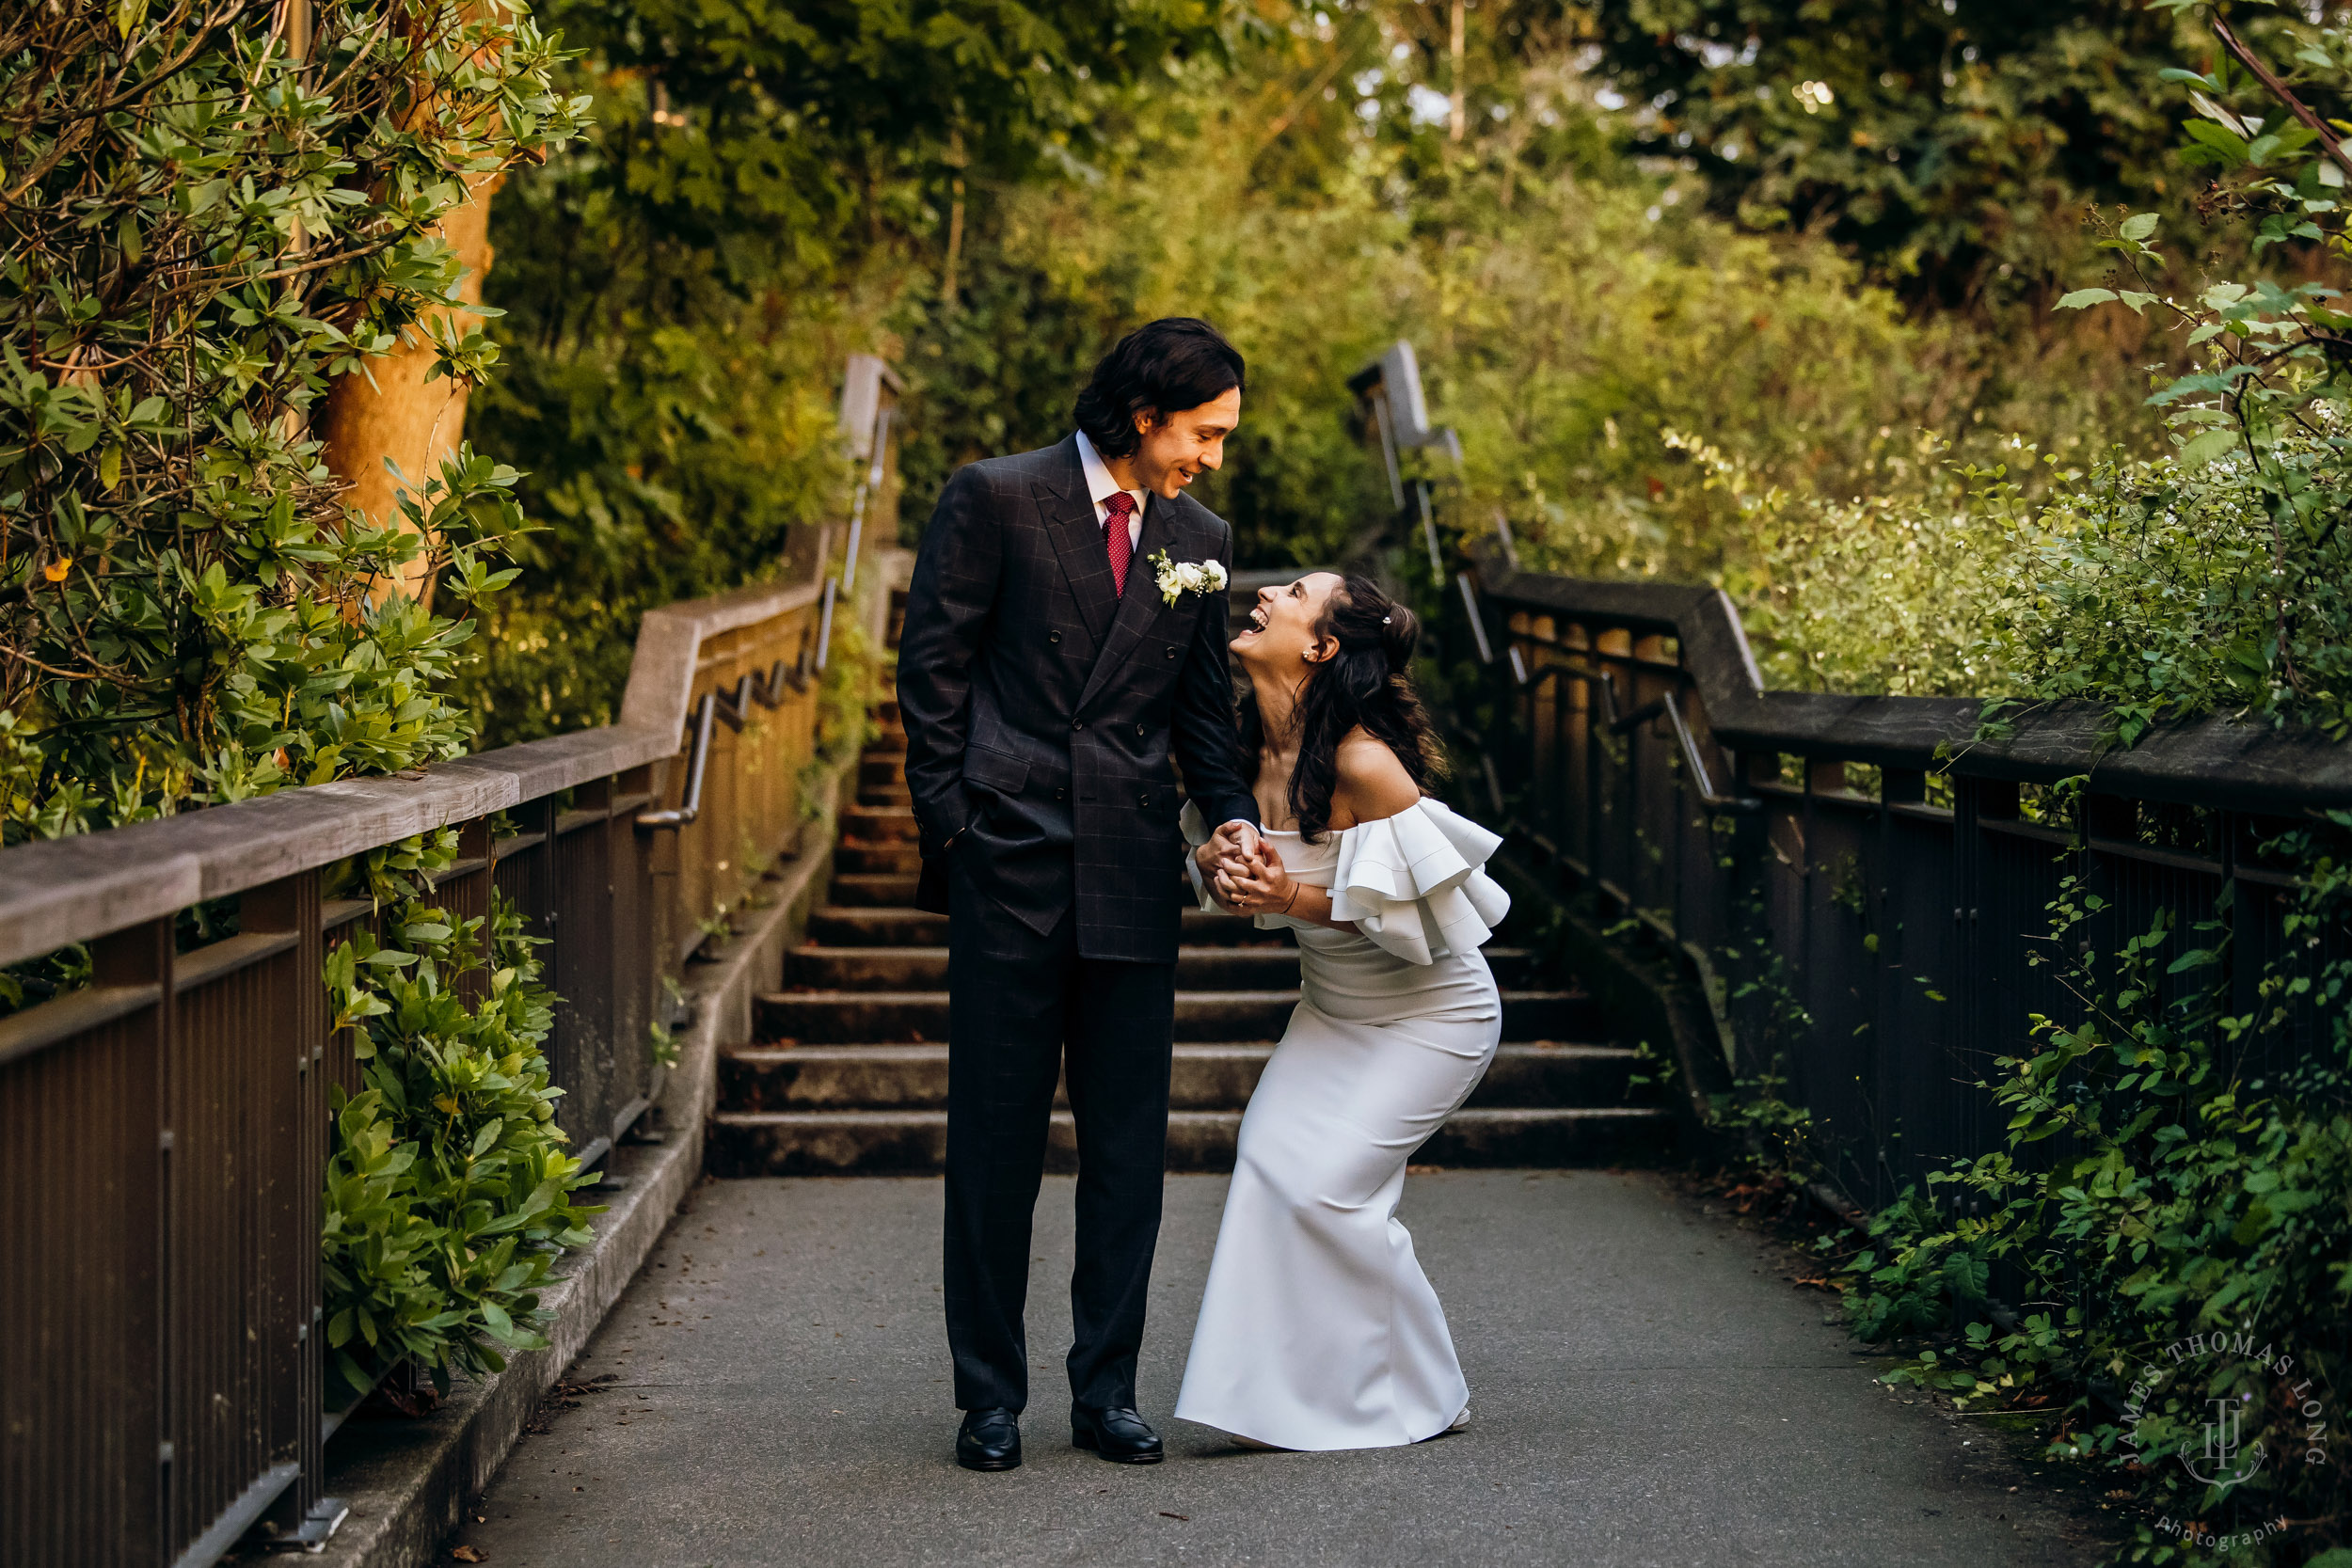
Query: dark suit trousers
[[1020, 1007]]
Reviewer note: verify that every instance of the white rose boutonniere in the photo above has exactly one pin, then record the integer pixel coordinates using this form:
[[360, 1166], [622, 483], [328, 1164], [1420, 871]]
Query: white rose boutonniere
[[1177, 578]]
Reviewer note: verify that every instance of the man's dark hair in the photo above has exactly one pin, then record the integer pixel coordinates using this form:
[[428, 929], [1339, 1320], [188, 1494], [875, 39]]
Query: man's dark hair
[[1172, 364]]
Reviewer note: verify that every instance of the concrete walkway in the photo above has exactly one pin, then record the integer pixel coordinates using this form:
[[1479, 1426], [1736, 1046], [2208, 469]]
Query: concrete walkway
[[1646, 1388]]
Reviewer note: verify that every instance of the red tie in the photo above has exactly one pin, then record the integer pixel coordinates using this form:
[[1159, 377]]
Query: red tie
[[1119, 506]]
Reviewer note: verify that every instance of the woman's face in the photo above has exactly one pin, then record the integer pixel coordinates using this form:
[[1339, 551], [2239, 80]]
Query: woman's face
[[1280, 633]]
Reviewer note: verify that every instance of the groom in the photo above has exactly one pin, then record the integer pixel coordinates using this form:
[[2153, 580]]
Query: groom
[[1045, 677]]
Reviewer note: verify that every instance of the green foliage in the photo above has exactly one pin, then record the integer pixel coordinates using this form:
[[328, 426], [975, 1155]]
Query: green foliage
[[1570, 311], [2177, 1163], [2172, 589], [2171, 1170], [447, 1188], [762, 193], [678, 306], [203, 231], [1880, 592], [1951, 147], [2256, 491]]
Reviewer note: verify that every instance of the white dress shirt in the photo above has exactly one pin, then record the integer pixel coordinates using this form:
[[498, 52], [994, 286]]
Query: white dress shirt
[[1101, 487]]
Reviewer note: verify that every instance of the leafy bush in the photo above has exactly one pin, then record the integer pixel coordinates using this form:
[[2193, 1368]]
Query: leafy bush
[[204, 230], [448, 1190], [2178, 1173], [2200, 1190]]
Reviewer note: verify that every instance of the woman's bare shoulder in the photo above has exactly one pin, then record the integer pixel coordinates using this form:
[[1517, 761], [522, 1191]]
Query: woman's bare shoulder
[[1373, 781]]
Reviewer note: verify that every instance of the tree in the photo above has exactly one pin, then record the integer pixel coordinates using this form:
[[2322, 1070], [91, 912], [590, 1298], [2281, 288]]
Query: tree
[[1951, 146], [205, 223]]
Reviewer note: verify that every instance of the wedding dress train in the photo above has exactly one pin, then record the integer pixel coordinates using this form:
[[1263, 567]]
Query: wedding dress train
[[1318, 1328]]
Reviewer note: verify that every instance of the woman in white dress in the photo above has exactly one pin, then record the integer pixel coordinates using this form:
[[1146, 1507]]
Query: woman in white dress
[[1318, 1329]]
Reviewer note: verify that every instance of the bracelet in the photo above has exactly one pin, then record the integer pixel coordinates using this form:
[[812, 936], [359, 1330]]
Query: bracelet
[[1292, 899]]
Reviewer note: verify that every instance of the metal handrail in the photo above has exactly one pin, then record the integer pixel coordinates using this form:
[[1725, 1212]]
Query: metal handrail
[[1657, 707], [691, 807]]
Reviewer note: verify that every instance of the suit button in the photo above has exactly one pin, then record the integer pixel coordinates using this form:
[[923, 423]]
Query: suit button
[[1172, 653], [1139, 729], [1061, 795], [1052, 637], [1077, 724], [1144, 798]]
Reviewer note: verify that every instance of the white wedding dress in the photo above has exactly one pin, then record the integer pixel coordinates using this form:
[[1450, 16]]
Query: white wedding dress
[[1318, 1329]]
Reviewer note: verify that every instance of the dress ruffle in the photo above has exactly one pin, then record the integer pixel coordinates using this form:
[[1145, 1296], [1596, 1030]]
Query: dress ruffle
[[1414, 883]]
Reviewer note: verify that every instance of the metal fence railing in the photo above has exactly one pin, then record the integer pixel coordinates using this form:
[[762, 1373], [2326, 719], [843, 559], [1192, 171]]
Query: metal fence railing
[[1866, 881]]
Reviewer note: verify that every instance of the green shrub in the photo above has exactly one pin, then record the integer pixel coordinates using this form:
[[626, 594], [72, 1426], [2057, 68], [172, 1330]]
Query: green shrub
[[186, 614], [447, 1188], [2178, 1172]]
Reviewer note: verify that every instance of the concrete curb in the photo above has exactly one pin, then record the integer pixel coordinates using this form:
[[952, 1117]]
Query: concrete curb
[[408, 1482]]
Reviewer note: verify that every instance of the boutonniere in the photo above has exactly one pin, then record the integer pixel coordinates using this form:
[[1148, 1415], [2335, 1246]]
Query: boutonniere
[[1177, 578]]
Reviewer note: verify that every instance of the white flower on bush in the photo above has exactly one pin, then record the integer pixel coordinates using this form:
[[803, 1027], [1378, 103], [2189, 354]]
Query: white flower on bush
[[1179, 577]]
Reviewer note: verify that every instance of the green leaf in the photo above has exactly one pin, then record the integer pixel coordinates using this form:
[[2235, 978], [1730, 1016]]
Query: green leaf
[[2208, 445], [2083, 298]]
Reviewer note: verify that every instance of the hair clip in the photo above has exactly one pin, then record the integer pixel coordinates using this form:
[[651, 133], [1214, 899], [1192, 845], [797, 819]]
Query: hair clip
[[1386, 619]]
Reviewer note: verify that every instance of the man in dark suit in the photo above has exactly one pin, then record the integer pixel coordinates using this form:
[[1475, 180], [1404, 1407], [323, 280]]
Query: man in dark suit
[[1045, 676]]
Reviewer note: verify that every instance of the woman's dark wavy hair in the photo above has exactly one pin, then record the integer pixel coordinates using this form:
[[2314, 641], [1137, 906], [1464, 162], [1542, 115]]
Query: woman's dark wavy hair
[[1364, 683], [1166, 366]]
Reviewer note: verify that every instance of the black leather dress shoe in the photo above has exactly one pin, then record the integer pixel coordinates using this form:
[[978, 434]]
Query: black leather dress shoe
[[1121, 1435], [989, 1440]]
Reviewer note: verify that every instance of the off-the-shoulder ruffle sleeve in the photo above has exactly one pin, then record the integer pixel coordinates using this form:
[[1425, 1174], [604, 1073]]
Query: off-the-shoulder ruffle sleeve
[[1416, 882]]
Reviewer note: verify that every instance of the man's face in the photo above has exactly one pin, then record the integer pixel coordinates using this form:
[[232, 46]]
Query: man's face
[[1177, 448]]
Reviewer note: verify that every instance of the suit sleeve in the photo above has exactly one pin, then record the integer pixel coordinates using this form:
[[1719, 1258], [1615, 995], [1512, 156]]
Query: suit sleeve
[[1201, 731], [950, 604]]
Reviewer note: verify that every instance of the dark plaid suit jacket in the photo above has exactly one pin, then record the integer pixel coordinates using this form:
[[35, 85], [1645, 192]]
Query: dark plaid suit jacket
[[1041, 709]]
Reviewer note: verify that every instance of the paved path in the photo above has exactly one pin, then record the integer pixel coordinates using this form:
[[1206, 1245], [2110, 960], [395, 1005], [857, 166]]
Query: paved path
[[1646, 1388]]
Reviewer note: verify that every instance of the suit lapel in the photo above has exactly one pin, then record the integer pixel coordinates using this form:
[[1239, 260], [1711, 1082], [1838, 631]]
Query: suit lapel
[[1085, 564], [1141, 604]]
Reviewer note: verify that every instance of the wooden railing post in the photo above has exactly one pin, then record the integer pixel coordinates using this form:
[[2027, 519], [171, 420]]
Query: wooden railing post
[[294, 1111]]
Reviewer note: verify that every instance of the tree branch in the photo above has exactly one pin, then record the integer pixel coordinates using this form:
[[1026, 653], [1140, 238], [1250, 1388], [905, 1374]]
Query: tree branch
[[2269, 78]]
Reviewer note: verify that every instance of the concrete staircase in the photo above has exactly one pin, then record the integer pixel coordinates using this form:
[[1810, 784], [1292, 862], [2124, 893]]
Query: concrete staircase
[[849, 1073]]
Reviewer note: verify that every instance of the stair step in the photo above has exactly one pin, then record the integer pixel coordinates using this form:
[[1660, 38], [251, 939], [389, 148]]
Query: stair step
[[865, 891], [881, 768], [880, 825], [857, 966], [884, 795], [846, 1017], [926, 968], [845, 924], [860, 858], [842, 1143], [1203, 1078]]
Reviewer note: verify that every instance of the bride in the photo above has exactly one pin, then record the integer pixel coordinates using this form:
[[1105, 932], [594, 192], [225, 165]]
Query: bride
[[1318, 1329]]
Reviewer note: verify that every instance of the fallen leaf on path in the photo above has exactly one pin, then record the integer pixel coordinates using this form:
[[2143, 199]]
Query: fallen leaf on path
[[468, 1554]]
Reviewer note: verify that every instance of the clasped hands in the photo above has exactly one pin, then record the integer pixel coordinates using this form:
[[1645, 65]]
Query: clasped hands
[[1245, 872]]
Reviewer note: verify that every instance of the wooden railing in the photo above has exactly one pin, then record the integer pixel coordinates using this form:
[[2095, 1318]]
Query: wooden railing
[[1862, 881], [162, 1131]]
